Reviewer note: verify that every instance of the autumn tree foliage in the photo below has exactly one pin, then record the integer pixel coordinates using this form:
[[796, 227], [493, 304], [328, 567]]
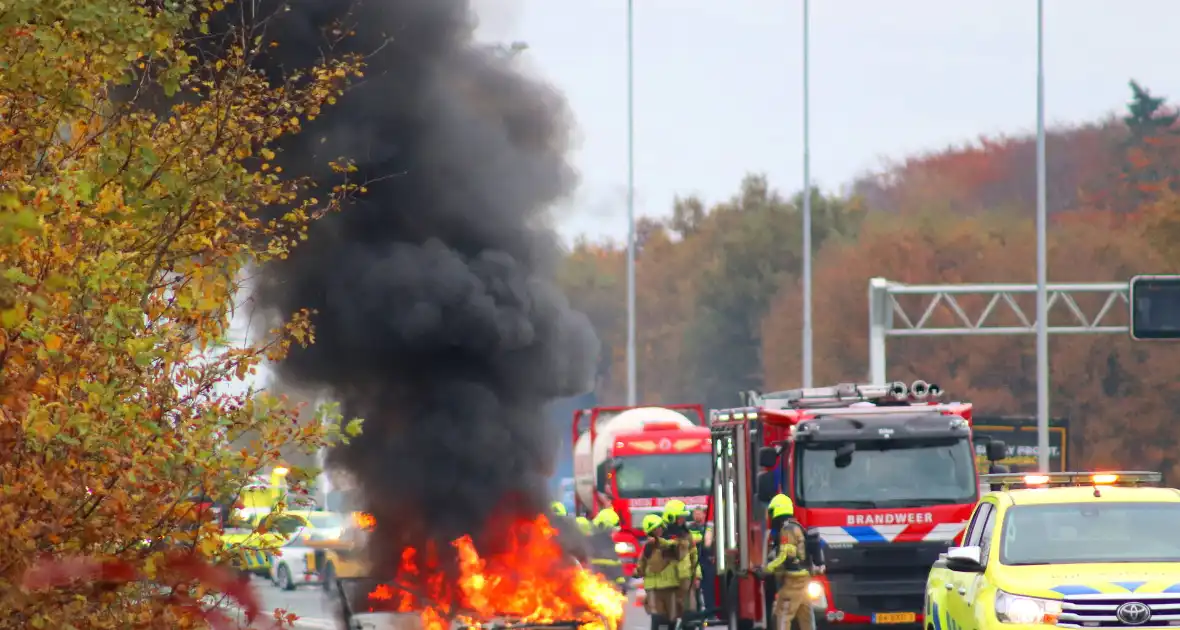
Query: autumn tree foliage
[[1116, 164], [719, 304], [758, 249], [704, 278], [125, 232], [1119, 393]]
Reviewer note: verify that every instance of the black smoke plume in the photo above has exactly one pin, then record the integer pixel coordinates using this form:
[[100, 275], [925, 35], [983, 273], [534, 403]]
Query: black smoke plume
[[438, 319]]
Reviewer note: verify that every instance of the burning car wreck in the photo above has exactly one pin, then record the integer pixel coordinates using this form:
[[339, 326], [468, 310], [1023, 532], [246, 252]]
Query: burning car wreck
[[532, 582]]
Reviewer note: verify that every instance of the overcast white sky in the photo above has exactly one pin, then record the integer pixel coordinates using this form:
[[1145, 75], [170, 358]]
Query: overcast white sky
[[718, 83]]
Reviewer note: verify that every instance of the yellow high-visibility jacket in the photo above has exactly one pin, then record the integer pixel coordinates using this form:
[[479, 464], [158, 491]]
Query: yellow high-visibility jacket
[[658, 565]]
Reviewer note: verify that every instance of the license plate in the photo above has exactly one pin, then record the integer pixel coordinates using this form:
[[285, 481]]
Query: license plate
[[898, 617]]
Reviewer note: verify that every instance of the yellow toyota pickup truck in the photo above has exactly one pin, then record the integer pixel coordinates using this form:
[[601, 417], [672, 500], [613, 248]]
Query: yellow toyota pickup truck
[[1073, 550]]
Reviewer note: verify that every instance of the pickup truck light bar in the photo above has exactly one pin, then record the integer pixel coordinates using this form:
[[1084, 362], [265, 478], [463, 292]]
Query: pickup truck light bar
[[1104, 478], [844, 394]]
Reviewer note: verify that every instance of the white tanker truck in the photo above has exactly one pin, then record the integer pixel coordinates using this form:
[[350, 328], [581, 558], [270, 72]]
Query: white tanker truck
[[636, 459]]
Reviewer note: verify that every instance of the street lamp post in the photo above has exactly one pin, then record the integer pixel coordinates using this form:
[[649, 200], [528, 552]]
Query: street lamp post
[[1042, 263], [807, 348], [631, 369]]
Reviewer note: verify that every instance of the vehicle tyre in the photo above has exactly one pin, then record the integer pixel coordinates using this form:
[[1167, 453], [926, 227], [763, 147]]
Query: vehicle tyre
[[283, 577], [329, 578]]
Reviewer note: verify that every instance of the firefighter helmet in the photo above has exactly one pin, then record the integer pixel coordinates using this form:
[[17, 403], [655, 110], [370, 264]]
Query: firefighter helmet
[[785, 507], [778, 500], [675, 509], [606, 518]]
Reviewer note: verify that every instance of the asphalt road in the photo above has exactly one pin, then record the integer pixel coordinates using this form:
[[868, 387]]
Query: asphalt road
[[317, 613]]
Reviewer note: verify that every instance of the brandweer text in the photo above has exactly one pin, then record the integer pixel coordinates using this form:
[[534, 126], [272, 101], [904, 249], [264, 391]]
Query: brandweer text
[[897, 518]]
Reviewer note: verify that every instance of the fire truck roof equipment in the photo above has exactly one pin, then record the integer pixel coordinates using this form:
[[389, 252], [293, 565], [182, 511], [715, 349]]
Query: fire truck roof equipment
[[844, 395]]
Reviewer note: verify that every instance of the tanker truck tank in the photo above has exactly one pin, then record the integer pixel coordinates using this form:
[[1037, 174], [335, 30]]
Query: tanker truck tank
[[588, 457]]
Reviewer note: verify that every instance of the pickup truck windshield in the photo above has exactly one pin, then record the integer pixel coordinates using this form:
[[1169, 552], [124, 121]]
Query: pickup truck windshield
[[664, 475], [1091, 532], [886, 474]]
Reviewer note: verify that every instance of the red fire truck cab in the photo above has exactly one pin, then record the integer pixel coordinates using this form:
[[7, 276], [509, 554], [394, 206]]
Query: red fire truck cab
[[883, 478]]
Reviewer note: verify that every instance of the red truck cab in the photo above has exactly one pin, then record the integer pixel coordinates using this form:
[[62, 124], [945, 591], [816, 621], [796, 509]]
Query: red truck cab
[[883, 478]]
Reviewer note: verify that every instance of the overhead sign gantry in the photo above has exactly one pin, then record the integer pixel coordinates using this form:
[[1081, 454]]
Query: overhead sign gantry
[[1152, 301]]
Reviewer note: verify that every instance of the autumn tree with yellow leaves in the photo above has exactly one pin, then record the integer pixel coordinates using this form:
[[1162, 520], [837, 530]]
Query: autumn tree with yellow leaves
[[135, 194]]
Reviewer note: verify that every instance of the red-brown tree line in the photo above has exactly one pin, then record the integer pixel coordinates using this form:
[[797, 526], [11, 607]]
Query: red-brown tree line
[[719, 301]]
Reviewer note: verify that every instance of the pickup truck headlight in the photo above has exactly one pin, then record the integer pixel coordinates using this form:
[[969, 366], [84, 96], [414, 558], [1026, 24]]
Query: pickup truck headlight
[[1026, 610], [624, 548]]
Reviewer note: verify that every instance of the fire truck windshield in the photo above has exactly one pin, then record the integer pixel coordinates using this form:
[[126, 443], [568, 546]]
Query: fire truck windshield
[[885, 473], [664, 475]]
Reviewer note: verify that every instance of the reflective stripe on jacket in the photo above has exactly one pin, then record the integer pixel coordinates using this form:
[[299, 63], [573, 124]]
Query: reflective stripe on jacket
[[791, 557]]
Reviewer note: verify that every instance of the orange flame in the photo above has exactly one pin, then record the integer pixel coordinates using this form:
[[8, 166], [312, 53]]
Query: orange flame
[[531, 581], [364, 521]]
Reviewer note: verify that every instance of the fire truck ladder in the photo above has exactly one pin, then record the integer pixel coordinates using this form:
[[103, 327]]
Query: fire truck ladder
[[886, 312]]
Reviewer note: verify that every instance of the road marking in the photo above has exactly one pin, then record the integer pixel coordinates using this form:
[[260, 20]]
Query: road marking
[[317, 623], [302, 622]]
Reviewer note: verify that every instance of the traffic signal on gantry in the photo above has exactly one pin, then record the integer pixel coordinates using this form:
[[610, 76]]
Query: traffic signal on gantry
[[1155, 307]]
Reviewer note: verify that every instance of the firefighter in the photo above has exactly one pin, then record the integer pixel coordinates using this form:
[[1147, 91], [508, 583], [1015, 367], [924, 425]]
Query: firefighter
[[770, 545], [602, 543], [702, 532], [775, 517], [658, 567], [688, 559], [790, 569]]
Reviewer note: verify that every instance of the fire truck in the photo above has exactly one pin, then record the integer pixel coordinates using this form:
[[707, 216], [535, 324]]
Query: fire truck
[[883, 478], [636, 459]]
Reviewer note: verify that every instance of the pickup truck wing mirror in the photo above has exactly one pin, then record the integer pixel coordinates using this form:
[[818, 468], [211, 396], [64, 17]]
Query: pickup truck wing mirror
[[965, 559]]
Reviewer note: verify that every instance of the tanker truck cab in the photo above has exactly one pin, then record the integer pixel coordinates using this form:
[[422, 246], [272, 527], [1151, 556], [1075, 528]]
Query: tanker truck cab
[[883, 478], [635, 460]]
